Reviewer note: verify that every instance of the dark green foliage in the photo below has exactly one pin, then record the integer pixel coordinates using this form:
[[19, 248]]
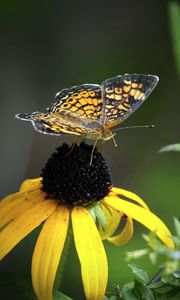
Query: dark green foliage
[[166, 287]]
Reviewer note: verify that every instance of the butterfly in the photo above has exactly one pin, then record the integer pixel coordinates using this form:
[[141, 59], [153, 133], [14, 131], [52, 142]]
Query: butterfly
[[93, 110]]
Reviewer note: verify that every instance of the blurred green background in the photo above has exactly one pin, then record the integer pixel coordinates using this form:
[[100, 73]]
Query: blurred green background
[[50, 45]]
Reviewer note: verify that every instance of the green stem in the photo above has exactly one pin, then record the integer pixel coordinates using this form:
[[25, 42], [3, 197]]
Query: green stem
[[174, 18]]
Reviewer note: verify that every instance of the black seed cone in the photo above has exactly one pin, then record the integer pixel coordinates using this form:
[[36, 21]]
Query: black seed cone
[[69, 177]]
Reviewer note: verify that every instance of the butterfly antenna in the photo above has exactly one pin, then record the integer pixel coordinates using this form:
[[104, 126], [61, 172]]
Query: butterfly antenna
[[133, 127]]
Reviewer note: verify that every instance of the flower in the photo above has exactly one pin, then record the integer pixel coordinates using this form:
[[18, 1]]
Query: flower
[[70, 188]]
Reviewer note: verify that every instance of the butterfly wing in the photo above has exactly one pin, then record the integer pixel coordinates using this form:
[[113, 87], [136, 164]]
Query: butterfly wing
[[46, 123], [89, 108], [64, 123], [84, 100], [123, 94], [76, 111]]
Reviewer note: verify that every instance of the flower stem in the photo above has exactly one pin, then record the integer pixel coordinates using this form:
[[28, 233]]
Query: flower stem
[[174, 18]]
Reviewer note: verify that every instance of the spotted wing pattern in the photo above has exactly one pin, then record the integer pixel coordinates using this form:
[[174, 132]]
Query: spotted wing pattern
[[84, 100], [91, 109], [76, 111], [68, 122], [122, 95]]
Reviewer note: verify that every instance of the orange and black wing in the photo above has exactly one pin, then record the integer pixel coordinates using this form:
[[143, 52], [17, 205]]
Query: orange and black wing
[[123, 94], [66, 123], [77, 111], [85, 100]]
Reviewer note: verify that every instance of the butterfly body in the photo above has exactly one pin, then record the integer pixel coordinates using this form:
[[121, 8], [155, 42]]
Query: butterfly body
[[92, 109]]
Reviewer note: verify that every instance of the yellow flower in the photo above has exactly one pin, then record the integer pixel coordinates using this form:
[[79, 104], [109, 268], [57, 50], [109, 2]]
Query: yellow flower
[[72, 190]]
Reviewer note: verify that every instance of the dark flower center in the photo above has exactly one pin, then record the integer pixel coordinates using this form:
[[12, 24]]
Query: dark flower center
[[69, 177]]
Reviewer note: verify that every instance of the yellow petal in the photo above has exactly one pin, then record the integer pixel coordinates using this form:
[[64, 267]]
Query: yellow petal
[[129, 195], [144, 216], [14, 205], [92, 256], [31, 184], [113, 218], [48, 252], [15, 231], [125, 235]]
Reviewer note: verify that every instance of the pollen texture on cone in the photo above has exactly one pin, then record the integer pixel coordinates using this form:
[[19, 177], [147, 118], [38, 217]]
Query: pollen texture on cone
[[69, 177]]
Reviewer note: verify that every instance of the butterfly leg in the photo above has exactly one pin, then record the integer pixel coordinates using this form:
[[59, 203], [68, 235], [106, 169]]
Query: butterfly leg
[[102, 147], [73, 145], [108, 135], [115, 144], [104, 141], [92, 152]]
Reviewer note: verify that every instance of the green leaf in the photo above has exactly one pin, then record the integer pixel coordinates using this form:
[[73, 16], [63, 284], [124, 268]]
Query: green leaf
[[172, 279], [115, 294], [139, 273], [170, 296], [168, 148], [156, 285], [112, 297], [143, 291], [128, 292], [92, 212], [60, 296], [98, 215]]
